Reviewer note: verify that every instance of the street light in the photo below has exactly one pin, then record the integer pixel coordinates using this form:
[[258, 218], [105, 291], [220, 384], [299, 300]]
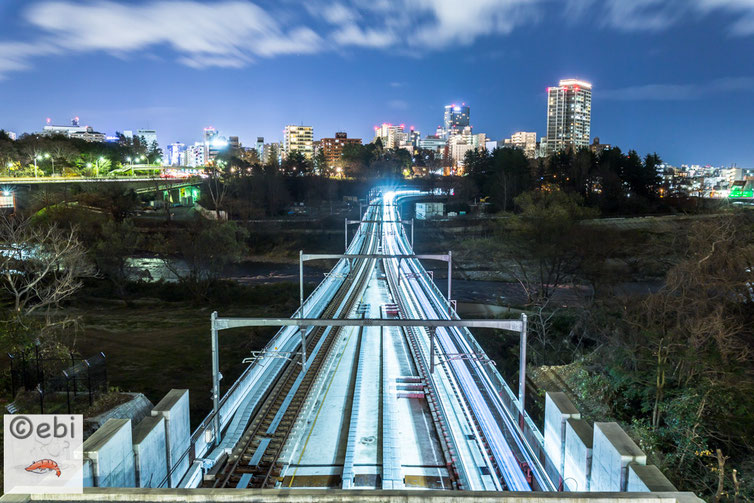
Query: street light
[[52, 159]]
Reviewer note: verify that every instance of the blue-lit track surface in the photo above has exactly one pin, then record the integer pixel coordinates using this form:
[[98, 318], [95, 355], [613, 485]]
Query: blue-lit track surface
[[367, 412], [514, 459]]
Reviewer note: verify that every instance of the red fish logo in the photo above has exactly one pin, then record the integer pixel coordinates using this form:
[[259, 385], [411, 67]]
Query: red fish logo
[[44, 466]]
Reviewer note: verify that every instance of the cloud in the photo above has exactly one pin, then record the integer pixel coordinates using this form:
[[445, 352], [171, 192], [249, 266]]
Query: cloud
[[227, 34], [450, 24], [353, 35], [236, 33], [744, 25], [677, 92]]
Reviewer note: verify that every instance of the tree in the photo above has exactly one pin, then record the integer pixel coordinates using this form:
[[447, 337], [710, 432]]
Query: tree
[[296, 164], [40, 266], [543, 250], [216, 186], [206, 247], [320, 164], [120, 203], [118, 242], [681, 358]]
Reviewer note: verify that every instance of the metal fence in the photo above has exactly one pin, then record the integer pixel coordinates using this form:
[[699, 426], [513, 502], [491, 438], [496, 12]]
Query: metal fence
[[74, 376]]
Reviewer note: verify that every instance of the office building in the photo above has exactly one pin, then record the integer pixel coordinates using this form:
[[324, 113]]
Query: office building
[[434, 143], [456, 118], [271, 151], [259, 147], [569, 115], [234, 144], [147, 137], [300, 139], [213, 144], [177, 154], [333, 147], [463, 142], [196, 155], [391, 136], [525, 141], [598, 147], [75, 130]]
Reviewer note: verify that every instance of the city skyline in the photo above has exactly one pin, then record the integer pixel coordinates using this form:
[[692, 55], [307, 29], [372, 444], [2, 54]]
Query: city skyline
[[658, 85]]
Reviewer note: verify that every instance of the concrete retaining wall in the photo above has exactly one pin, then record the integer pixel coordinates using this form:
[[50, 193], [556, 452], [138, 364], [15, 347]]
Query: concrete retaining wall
[[612, 452], [558, 408], [599, 459], [109, 450], [175, 409], [150, 452], [116, 456], [578, 455], [646, 478]]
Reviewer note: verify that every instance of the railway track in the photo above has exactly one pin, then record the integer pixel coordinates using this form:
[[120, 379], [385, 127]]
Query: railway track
[[255, 463]]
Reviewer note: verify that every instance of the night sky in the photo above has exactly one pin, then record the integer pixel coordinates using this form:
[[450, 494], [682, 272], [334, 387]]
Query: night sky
[[671, 76]]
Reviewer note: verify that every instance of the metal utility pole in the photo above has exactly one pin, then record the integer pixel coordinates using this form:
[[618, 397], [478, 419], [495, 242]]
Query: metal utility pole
[[301, 306], [345, 236], [522, 368], [215, 379], [450, 281]]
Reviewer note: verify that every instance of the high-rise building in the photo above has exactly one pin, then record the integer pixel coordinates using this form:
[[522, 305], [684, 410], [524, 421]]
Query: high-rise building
[[177, 154], [569, 115], [260, 146], [525, 141], [456, 118], [333, 147], [391, 136], [213, 144], [147, 137], [463, 142], [300, 139], [195, 154], [234, 143]]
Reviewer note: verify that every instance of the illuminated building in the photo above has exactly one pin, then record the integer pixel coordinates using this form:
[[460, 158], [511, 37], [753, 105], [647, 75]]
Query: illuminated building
[[195, 154], [391, 136], [569, 115], [177, 154], [463, 142], [85, 133], [525, 141], [213, 144], [456, 118], [147, 137], [300, 139], [333, 147]]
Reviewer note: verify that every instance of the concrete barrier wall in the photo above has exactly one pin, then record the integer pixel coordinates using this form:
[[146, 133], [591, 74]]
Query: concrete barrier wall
[[599, 459], [578, 455], [174, 408], [150, 452], [612, 452], [647, 478], [558, 408], [110, 452]]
